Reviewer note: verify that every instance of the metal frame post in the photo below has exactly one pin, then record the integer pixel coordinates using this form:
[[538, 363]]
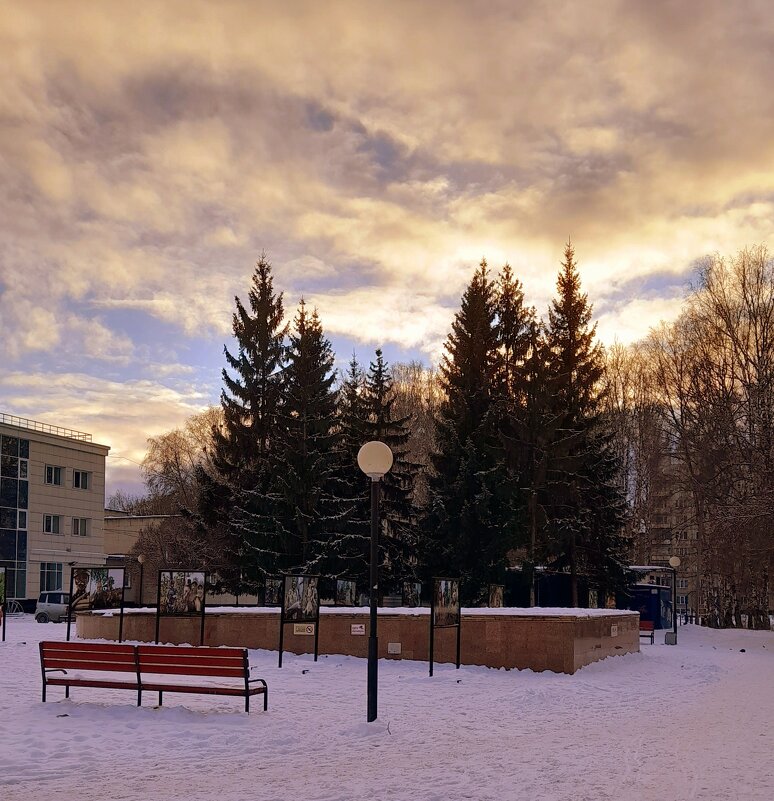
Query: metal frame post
[[674, 602], [373, 641]]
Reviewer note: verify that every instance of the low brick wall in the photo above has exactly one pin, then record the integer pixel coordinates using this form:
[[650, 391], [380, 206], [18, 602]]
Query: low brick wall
[[562, 643]]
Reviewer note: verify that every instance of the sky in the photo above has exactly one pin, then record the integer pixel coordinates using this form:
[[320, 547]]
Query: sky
[[149, 152]]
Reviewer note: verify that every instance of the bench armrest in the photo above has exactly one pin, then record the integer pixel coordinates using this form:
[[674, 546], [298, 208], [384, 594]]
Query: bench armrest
[[263, 681], [56, 670]]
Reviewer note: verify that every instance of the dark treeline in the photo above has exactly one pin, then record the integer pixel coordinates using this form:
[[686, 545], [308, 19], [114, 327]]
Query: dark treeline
[[503, 457]]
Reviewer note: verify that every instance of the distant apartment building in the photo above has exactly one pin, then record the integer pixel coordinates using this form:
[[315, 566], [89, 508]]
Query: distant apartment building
[[52, 499]]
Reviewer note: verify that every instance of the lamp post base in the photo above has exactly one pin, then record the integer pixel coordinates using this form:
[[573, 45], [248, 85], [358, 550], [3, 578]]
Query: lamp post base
[[373, 675]]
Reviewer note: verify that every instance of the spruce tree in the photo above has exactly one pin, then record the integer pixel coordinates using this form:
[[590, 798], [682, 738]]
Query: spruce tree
[[251, 395], [583, 503], [309, 511], [399, 532], [513, 330], [235, 496], [348, 552], [519, 356], [464, 532]]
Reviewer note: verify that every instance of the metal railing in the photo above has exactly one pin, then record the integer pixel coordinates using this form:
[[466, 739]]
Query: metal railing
[[45, 428]]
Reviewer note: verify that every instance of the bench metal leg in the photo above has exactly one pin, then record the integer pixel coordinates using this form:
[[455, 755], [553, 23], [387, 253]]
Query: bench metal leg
[[161, 695], [44, 692], [247, 703], [265, 699], [67, 690], [139, 697]]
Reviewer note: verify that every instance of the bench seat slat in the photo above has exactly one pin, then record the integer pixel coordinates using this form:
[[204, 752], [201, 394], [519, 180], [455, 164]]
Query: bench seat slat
[[115, 685], [208, 690]]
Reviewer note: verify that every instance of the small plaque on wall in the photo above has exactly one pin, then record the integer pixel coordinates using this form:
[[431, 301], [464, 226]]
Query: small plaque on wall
[[614, 630], [357, 628], [306, 629], [393, 648]]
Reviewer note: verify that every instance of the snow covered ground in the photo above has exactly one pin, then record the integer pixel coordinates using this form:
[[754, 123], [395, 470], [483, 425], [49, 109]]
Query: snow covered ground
[[671, 723]]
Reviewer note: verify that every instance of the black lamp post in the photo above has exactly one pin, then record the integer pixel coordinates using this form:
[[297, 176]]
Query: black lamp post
[[674, 563], [374, 459], [141, 562]]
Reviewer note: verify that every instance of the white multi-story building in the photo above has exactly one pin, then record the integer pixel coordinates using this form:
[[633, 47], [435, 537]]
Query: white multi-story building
[[52, 499]]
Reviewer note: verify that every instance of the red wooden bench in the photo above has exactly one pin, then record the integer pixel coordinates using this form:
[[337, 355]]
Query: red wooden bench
[[149, 660], [63, 657], [647, 630], [170, 661]]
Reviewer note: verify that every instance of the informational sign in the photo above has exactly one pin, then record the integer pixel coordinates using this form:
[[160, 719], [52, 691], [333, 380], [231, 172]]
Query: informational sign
[[357, 629], [272, 594], [445, 612], [345, 592], [182, 593], [446, 602], [304, 629], [496, 595], [301, 607], [614, 630], [301, 599], [393, 648], [412, 591], [95, 588]]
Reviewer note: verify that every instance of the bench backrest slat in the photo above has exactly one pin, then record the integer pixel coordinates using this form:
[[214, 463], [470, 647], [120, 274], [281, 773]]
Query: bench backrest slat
[[88, 656], [201, 650], [646, 625], [191, 670], [192, 661], [79, 647]]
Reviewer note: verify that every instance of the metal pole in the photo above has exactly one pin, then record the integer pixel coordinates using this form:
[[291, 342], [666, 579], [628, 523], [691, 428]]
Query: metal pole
[[139, 594], [674, 602], [373, 642]]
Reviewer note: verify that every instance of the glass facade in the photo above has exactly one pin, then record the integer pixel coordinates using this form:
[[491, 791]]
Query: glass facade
[[50, 576], [14, 500]]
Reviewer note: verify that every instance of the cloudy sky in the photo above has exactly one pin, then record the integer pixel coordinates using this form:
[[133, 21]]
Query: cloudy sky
[[376, 151]]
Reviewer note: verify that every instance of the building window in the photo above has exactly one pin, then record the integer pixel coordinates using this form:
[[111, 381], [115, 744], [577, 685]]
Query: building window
[[9, 466], [50, 576], [54, 475], [51, 524], [682, 584], [9, 492], [81, 526], [81, 479], [682, 600], [22, 520], [23, 468]]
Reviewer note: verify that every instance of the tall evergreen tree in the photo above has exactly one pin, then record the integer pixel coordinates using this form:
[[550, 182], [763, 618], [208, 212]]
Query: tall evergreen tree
[[309, 511], [234, 495], [584, 505], [399, 532], [251, 395], [513, 329], [464, 531], [348, 552], [521, 405]]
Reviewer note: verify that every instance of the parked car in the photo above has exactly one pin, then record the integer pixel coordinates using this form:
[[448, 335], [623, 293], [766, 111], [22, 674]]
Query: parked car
[[52, 607]]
